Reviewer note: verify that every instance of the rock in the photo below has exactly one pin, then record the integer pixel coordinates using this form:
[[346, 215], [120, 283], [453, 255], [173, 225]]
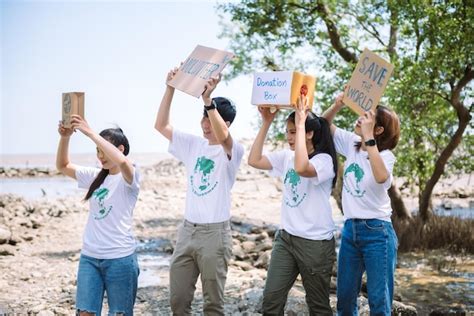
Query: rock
[[45, 313], [400, 309], [455, 311], [5, 234], [252, 237], [7, 250], [248, 246], [62, 312], [27, 237], [263, 247], [36, 220], [238, 252], [263, 261], [243, 265]]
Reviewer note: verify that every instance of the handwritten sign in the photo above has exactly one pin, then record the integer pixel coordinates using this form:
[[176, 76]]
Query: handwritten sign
[[368, 82], [281, 89], [72, 103], [203, 64]]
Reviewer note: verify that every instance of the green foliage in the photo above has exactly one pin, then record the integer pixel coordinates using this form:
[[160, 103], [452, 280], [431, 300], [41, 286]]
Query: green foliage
[[432, 49]]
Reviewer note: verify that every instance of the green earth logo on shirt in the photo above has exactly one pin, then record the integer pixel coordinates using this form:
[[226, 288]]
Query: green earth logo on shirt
[[100, 195], [200, 179], [292, 181], [358, 175]]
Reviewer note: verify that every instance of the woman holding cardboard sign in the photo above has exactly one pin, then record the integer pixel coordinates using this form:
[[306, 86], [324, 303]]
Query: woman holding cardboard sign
[[305, 243], [108, 261], [369, 242]]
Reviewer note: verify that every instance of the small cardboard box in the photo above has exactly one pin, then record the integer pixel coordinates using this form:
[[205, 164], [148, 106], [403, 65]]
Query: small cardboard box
[[203, 63], [281, 89], [73, 103], [368, 82]]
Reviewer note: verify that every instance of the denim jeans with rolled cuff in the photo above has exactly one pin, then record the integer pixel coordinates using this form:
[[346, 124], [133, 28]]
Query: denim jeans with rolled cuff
[[368, 245]]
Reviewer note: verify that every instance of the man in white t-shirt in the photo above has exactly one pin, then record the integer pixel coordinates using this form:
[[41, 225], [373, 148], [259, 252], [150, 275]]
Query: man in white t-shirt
[[204, 245]]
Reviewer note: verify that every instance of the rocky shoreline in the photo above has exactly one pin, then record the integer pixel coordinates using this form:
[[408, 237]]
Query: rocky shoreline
[[40, 242]]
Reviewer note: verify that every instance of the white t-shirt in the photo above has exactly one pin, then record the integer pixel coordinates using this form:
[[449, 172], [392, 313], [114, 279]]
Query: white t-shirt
[[305, 208], [210, 176], [108, 233], [362, 196]]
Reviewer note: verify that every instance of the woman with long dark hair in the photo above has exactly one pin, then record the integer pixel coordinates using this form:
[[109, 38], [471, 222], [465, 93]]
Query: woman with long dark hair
[[305, 242], [369, 242], [108, 261]]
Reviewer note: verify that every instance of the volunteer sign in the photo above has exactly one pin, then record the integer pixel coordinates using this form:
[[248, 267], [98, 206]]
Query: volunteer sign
[[367, 83], [203, 64]]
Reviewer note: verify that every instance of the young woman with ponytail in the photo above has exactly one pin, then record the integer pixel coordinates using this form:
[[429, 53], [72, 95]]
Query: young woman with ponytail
[[305, 243], [108, 261]]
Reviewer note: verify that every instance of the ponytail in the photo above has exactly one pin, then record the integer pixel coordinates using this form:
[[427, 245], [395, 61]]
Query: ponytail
[[97, 183], [322, 139]]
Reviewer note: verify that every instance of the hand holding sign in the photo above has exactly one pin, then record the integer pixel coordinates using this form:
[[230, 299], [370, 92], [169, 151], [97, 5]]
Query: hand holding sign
[[210, 86], [367, 124], [368, 82], [266, 112], [64, 131], [301, 111], [171, 75]]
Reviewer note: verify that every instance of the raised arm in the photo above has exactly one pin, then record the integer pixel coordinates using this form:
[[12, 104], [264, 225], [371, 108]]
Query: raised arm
[[331, 112], [113, 153], [256, 159], [220, 128], [162, 123], [302, 165], [367, 123], [63, 163]]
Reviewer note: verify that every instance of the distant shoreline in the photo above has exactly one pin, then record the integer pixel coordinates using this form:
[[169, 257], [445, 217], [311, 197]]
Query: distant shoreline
[[86, 159]]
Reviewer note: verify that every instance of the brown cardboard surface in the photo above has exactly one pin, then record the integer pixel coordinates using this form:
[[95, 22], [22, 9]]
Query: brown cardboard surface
[[72, 103], [368, 82], [203, 63]]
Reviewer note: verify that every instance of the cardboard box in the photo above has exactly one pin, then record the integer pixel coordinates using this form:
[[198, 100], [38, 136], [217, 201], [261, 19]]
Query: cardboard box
[[281, 89], [203, 63], [368, 82], [73, 103]]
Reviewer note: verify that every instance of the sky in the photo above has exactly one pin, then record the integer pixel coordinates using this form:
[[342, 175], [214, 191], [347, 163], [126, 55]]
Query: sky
[[118, 53]]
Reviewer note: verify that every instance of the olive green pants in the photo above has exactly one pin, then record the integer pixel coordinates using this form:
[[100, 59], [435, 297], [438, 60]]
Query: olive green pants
[[201, 249], [292, 255]]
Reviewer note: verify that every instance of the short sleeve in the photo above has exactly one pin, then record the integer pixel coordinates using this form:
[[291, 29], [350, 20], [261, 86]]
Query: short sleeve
[[324, 167], [277, 160], [237, 154], [181, 145], [389, 160], [135, 185], [85, 176], [343, 140]]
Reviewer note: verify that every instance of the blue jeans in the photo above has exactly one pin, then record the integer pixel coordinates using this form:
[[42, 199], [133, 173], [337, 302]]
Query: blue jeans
[[367, 245], [118, 277]]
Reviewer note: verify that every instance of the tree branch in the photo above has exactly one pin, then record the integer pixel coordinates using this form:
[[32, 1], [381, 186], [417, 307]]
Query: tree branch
[[439, 94], [334, 34], [464, 118], [392, 42], [372, 32], [456, 92]]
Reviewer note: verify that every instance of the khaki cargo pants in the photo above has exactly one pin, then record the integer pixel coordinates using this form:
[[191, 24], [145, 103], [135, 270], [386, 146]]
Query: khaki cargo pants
[[293, 255], [201, 249]]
